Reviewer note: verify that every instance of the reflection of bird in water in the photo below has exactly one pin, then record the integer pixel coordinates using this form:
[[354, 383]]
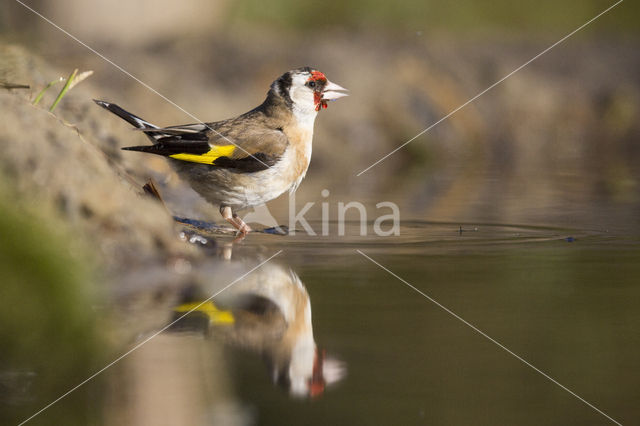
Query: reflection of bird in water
[[269, 313]]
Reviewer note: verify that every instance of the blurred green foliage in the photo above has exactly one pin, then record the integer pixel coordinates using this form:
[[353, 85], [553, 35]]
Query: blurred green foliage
[[420, 15], [48, 333]]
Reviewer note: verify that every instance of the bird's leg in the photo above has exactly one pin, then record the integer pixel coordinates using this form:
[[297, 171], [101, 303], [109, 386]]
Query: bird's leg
[[227, 214], [234, 220], [241, 225]]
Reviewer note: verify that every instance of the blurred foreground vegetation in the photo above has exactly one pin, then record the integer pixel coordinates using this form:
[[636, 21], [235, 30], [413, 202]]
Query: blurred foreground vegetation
[[48, 331]]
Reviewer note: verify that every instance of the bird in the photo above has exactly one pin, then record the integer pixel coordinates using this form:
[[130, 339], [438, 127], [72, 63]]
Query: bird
[[252, 158]]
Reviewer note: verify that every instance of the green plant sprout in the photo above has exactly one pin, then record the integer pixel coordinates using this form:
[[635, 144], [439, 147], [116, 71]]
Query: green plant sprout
[[37, 99], [71, 82], [64, 90]]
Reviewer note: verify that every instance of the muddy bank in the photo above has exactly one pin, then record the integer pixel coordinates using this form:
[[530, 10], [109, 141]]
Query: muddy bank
[[49, 163]]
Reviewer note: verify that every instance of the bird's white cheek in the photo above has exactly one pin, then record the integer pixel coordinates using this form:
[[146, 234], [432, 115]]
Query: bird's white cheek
[[302, 98], [304, 109]]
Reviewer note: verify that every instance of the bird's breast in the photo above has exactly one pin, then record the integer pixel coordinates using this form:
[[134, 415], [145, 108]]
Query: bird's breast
[[299, 150]]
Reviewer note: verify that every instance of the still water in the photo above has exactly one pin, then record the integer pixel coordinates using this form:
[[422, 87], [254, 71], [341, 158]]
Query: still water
[[319, 334]]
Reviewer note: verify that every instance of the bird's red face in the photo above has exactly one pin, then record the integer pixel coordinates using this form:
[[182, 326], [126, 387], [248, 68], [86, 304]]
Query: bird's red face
[[308, 91], [320, 80], [323, 89], [317, 382]]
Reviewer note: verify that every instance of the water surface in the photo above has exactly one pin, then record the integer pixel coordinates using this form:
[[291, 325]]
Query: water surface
[[565, 300]]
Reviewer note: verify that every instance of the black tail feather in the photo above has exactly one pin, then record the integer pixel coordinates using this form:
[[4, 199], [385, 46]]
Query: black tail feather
[[187, 139], [168, 146], [132, 119], [150, 149]]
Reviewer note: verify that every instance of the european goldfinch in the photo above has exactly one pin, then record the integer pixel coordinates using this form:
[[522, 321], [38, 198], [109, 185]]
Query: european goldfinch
[[250, 159]]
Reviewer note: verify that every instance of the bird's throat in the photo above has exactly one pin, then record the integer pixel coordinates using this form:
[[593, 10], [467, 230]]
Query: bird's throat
[[318, 101]]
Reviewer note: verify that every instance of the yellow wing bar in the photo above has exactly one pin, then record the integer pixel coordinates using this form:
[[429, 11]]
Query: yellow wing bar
[[208, 157], [216, 316]]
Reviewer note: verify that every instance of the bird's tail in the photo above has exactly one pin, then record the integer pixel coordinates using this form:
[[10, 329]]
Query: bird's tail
[[132, 119]]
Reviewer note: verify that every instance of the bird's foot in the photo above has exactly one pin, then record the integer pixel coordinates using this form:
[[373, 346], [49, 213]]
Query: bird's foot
[[236, 222], [242, 227]]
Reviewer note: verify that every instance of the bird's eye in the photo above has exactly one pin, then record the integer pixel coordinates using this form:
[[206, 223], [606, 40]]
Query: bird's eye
[[311, 84]]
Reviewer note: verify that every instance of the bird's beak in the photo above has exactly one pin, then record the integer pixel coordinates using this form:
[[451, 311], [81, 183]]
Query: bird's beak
[[333, 91]]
